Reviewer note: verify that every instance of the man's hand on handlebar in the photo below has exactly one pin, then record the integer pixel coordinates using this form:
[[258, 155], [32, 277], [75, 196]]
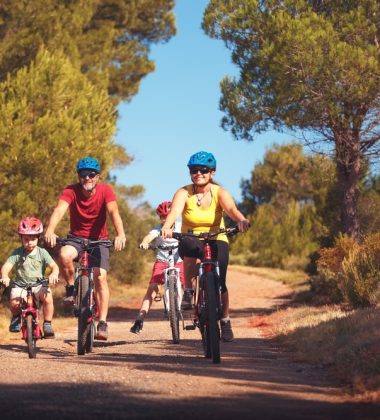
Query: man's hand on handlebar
[[119, 242], [50, 239]]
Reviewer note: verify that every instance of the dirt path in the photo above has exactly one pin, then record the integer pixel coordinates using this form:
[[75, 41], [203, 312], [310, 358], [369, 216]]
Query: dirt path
[[146, 376]]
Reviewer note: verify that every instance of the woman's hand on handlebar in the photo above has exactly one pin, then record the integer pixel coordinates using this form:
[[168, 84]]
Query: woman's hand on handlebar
[[167, 233], [243, 225]]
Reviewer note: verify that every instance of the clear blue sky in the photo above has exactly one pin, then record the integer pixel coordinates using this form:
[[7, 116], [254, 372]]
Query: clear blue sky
[[176, 113]]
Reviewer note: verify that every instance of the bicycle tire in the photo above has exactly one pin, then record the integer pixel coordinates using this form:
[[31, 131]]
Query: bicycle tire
[[173, 305], [84, 312], [30, 339], [91, 337], [202, 316], [212, 326]]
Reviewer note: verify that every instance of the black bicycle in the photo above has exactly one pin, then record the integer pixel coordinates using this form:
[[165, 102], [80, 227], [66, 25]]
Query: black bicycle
[[85, 304], [207, 297]]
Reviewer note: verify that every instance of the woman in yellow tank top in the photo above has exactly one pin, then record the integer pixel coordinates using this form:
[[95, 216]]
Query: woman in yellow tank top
[[202, 205]]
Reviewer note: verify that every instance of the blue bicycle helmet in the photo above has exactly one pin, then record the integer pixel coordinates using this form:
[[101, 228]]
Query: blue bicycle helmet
[[202, 159], [88, 163]]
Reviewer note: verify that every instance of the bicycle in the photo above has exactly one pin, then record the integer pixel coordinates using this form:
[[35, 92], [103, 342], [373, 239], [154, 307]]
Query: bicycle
[[207, 297], [30, 317], [84, 297], [173, 291]]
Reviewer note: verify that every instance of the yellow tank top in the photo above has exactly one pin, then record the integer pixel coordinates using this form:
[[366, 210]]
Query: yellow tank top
[[196, 219]]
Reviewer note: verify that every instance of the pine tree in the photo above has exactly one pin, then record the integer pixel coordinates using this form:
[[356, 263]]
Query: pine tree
[[306, 65], [51, 115]]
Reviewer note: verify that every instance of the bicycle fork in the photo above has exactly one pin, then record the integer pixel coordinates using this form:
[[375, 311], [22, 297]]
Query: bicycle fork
[[84, 270], [178, 288], [30, 309], [206, 266]]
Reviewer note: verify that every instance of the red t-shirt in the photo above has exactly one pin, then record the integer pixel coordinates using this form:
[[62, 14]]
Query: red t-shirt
[[88, 214]]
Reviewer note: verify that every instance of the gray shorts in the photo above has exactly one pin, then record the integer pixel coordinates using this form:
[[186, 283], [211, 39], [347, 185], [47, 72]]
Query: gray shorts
[[98, 256], [39, 292]]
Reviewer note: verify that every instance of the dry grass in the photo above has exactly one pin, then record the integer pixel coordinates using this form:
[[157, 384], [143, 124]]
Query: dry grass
[[292, 278], [346, 342]]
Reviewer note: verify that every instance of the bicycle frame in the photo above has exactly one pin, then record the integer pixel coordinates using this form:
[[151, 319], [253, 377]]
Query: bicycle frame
[[30, 316], [168, 271], [85, 308], [29, 307], [172, 291]]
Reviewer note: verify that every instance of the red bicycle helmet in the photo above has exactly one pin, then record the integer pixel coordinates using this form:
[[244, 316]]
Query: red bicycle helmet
[[30, 226], [163, 209]]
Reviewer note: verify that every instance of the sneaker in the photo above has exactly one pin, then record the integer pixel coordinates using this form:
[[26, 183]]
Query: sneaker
[[227, 334], [137, 326], [102, 331], [48, 330], [15, 325], [187, 299], [69, 298]]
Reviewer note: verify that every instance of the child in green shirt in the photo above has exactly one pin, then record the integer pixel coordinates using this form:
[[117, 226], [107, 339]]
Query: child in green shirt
[[30, 261]]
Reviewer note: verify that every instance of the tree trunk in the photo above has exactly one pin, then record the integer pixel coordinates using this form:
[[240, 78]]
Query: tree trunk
[[348, 161]]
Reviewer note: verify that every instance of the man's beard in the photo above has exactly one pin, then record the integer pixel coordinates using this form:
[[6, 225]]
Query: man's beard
[[88, 188]]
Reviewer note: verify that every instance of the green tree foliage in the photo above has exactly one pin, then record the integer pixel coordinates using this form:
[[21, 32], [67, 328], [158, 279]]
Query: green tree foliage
[[290, 191], [109, 39], [50, 116], [310, 65]]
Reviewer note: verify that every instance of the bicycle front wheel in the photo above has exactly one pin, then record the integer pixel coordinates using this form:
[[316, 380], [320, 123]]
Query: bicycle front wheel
[[84, 327], [90, 337], [211, 330], [173, 304], [30, 339]]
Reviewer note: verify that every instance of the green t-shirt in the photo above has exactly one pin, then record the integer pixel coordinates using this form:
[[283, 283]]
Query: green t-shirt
[[29, 267]]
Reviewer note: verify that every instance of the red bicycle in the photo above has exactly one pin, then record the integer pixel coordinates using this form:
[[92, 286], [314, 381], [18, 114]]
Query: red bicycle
[[30, 318], [207, 297], [85, 304]]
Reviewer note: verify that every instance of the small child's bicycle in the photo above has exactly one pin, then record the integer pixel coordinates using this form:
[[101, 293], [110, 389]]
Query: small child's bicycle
[[30, 318], [85, 305], [172, 291]]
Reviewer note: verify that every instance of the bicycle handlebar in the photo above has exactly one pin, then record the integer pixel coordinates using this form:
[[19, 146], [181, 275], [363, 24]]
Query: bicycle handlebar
[[207, 235], [86, 243], [164, 247], [42, 281]]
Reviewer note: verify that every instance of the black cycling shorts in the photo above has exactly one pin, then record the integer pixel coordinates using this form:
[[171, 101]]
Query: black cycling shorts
[[192, 247], [98, 256]]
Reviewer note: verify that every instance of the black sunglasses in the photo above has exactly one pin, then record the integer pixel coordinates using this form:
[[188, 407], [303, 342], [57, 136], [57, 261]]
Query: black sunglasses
[[203, 171], [90, 175]]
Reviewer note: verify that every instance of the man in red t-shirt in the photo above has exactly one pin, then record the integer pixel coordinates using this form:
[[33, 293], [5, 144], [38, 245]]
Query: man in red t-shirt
[[88, 202]]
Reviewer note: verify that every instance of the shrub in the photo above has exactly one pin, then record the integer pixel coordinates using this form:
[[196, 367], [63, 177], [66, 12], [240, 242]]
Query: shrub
[[350, 271]]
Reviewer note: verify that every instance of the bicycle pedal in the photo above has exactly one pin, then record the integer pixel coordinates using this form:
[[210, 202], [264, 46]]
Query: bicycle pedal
[[190, 327], [158, 297]]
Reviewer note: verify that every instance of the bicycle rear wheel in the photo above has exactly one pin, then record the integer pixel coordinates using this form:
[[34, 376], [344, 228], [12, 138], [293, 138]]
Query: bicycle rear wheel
[[211, 329], [30, 339], [84, 327], [173, 304]]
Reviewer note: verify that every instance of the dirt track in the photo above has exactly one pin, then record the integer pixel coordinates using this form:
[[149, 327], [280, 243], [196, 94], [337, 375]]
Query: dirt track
[[146, 376]]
